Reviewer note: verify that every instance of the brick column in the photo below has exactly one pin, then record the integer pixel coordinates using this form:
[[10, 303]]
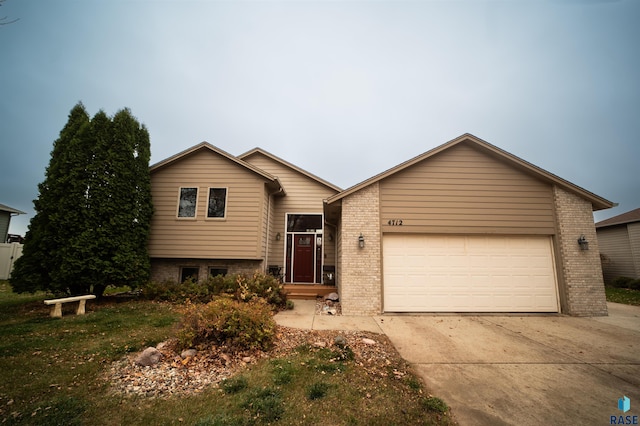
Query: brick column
[[581, 270], [360, 286]]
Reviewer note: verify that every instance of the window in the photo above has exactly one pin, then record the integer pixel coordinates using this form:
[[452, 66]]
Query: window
[[216, 270], [304, 222], [217, 202], [189, 273], [188, 201]]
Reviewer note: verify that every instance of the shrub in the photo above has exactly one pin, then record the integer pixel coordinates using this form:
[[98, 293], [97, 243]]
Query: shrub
[[435, 404], [626, 282], [621, 282], [241, 287], [226, 321]]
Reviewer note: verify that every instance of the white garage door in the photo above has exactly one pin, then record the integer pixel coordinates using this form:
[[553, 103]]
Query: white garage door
[[429, 273]]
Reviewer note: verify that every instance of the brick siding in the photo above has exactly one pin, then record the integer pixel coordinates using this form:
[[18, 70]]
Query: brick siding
[[582, 286], [169, 269], [360, 268]]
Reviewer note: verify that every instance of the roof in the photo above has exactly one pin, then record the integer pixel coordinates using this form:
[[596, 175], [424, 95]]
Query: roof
[[621, 219], [289, 165], [597, 202], [273, 180], [4, 208]]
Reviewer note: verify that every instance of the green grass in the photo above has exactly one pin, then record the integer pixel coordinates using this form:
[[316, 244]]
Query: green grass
[[52, 373], [623, 295]]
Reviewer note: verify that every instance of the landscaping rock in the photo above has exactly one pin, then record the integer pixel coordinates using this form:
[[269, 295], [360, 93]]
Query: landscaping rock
[[340, 341], [368, 341], [247, 359], [188, 353], [148, 357], [332, 296]]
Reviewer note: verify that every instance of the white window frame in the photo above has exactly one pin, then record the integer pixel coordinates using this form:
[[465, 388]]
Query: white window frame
[[226, 200], [195, 212], [315, 234]]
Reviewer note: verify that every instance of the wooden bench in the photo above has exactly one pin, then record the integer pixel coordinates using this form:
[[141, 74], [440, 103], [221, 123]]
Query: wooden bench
[[56, 310]]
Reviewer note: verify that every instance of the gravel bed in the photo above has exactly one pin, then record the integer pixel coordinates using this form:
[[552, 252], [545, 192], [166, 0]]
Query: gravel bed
[[180, 374]]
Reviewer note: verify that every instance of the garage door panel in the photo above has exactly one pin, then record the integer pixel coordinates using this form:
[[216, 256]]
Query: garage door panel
[[425, 273]]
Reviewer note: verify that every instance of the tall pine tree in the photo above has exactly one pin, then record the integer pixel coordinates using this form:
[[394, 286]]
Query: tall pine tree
[[94, 209]]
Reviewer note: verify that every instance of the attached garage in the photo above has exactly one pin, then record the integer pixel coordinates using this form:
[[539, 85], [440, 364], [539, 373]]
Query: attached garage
[[468, 273], [467, 227]]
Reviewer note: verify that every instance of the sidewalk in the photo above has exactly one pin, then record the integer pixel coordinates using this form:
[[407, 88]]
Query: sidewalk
[[304, 316]]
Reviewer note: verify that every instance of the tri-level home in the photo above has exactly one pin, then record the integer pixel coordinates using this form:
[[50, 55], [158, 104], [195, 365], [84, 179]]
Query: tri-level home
[[464, 227], [216, 214]]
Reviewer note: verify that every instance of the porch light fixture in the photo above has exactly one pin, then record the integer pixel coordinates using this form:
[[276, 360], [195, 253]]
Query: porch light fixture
[[584, 244], [361, 241], [278, 236]]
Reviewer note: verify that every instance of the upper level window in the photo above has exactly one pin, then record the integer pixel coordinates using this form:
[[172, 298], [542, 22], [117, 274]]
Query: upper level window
[[188, 202], [217, 202]]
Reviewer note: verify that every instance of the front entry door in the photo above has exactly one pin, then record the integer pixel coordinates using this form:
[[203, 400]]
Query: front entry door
[[303, 258]]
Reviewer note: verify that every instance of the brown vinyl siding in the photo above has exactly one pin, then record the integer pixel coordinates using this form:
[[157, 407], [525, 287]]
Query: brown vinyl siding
[[304, 195], [465, 191], [616, 246], [237, 236]]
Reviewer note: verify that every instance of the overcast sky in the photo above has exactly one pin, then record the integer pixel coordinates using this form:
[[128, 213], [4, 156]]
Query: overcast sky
[[343, 89]]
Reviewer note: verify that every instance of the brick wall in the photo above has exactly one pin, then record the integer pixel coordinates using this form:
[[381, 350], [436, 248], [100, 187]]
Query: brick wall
[[360, 268], [169, 269], [581, 272]]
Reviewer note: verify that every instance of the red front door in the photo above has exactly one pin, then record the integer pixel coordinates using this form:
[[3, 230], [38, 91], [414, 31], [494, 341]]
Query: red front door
[[303, 254]]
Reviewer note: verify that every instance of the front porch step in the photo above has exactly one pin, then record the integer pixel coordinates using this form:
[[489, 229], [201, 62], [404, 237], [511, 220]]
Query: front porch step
[[308, 291]]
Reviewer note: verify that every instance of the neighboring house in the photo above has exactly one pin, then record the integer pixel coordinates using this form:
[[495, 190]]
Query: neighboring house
[[217, 214], [465, 227], [6, 213], [619, 241], [8, 252]]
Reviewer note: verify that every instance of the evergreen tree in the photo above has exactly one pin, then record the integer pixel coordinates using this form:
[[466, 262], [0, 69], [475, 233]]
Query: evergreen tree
[[108, 196]]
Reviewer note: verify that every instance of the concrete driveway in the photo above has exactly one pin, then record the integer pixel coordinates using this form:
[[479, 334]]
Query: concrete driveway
[[525, 369]]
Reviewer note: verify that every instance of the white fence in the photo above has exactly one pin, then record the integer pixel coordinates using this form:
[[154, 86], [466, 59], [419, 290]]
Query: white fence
[[8, 254]]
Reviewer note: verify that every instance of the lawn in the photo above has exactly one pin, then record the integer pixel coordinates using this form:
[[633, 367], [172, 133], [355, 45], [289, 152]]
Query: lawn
[[54, 373], [623, 295]]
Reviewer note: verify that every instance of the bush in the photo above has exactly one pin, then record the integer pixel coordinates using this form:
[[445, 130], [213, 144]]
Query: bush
[[226, 321], [435, 404], [241, 287], [626, 282]]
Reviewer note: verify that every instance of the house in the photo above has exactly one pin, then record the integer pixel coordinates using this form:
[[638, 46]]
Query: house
[[464, 227], [619, 241], [6, 213], [216, 214]]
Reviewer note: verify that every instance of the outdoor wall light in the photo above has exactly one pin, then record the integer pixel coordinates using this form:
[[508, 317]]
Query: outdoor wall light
[[278, 236], [361, 241], [584, 244]]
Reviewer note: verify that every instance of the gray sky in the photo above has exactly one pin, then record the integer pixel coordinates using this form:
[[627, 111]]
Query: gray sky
[[343, 89]]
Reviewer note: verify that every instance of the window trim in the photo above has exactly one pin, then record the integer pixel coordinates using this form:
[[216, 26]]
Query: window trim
[[195, 212], [226, 199], [182, 268]]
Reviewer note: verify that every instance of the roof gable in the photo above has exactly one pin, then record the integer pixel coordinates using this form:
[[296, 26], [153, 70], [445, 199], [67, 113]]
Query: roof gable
[[501, 155], [4, 208], [273, 181], [260, 151], [621, 219]]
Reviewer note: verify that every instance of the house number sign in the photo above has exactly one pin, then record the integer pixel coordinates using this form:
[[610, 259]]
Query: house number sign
[[395, 222]]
